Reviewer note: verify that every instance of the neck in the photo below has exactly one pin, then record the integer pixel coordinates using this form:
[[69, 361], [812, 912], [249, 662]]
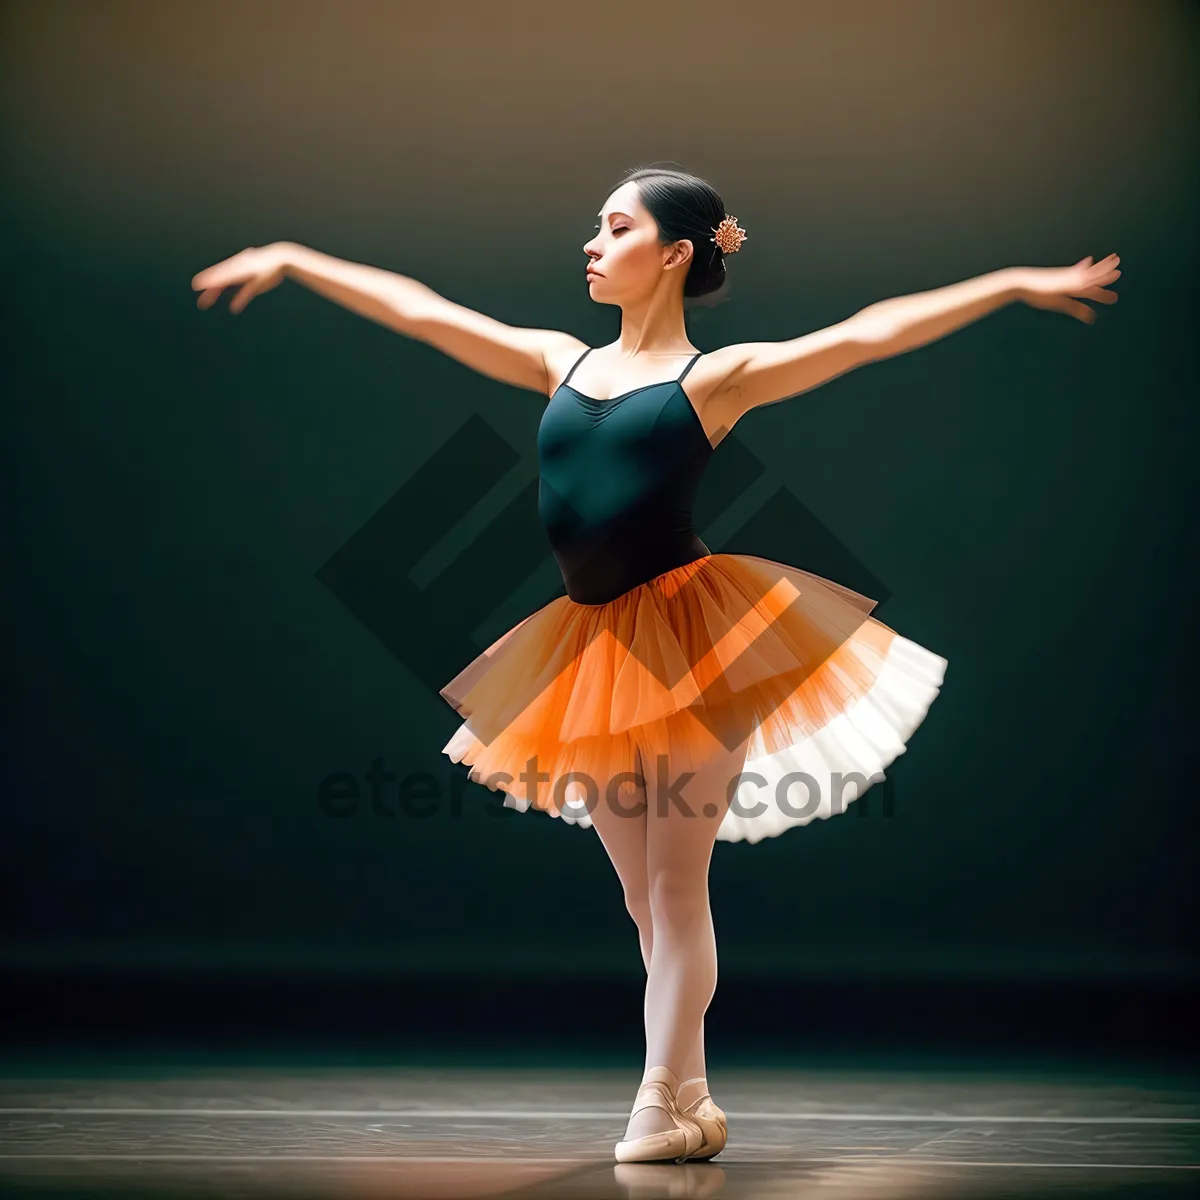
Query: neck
[[654, 326]]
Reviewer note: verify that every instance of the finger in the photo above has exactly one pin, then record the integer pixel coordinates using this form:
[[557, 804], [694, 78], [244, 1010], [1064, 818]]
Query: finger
[[217, 278], [210, 275], [1103, 295], [1085, 262], [233, 269], [209, 297], [1063, 303], [1085, 314], [244, 296]]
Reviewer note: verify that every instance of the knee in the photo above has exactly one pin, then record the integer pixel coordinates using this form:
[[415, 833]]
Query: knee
[[637, 904], [678, 896]]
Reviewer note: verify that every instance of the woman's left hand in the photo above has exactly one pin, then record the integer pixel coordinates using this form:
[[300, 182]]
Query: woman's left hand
[[1056, 288]]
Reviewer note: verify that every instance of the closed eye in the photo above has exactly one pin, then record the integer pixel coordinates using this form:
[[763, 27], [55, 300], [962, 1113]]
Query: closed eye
[[616, 228]]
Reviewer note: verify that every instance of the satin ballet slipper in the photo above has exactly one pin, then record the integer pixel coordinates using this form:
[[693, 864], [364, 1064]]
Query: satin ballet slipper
[[693, 1100], [657, 1090]]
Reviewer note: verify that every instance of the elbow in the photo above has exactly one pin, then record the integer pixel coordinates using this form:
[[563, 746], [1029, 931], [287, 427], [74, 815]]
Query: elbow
[[872, 331]]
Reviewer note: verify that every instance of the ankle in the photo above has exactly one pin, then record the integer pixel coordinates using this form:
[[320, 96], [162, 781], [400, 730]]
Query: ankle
[[663, 1075]]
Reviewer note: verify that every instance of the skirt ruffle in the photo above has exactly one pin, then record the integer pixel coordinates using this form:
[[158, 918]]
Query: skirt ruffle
[[728, 651]]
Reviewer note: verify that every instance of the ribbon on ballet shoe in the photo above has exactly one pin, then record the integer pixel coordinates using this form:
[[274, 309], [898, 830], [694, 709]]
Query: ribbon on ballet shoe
[[662, 1075], [703, 1110]]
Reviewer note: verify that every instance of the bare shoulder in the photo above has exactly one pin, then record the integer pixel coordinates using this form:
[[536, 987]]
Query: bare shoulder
[[731, 381], [562, 352]]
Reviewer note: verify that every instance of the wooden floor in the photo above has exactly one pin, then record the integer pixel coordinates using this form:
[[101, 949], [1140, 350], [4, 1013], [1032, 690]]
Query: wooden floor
[[124, 1129]]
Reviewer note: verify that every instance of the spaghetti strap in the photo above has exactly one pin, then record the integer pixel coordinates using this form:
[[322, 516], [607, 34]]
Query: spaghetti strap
[[690, 365], [574, 365]]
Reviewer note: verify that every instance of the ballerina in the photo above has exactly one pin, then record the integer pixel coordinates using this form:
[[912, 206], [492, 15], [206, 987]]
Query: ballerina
[[674, 697]]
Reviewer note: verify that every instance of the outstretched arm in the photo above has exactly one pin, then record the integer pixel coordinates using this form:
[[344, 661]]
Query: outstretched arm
[[906, 322], [511, 353], [751, 374]]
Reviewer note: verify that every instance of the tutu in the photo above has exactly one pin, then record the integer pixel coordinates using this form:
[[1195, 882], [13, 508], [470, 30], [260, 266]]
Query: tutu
[[730, 650]]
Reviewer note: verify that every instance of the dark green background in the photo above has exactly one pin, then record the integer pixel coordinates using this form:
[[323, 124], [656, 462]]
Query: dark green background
[[1020, 493]]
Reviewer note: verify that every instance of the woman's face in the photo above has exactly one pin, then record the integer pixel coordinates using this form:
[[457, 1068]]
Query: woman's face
[[625, 254]]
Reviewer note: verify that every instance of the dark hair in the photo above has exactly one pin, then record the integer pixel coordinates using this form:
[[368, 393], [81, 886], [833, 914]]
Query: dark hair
[[685, 206]]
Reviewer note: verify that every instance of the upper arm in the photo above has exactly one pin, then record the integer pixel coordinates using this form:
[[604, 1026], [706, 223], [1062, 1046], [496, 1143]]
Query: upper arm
[[750, 374], [510, 353]]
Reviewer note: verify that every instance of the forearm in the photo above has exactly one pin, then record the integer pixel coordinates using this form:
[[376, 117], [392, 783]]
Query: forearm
[[391, 299], [906, 322]]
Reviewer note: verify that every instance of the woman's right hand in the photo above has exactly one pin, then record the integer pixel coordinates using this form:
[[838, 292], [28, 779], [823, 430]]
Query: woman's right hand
[[258, 269]]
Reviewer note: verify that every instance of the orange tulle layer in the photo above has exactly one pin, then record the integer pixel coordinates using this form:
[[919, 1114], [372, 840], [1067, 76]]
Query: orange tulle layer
[[728, 651]]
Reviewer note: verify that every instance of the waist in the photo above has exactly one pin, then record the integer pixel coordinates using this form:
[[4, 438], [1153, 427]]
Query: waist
[[600, 569]]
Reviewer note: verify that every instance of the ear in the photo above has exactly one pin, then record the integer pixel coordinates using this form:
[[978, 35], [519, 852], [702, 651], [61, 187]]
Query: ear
[[680, 254]]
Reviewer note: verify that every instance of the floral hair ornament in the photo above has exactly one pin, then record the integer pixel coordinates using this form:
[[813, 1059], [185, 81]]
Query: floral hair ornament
[[730, 236]]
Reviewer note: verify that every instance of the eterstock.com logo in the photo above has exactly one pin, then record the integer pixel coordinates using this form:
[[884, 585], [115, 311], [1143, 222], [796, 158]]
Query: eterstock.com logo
[[421, 795], [428, 626]]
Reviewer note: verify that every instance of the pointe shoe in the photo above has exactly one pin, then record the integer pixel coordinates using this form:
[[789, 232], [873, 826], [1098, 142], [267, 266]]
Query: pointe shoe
[[703, 1110], [657, 1090]]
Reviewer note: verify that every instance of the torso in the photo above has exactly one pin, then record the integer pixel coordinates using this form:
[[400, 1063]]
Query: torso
[[617, 482]]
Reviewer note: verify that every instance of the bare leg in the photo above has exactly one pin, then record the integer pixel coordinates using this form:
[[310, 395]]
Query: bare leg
[[620, 820], [681, 828], [661, 852]]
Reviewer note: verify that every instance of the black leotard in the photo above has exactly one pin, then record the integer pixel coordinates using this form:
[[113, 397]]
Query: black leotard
[[617, 482]]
